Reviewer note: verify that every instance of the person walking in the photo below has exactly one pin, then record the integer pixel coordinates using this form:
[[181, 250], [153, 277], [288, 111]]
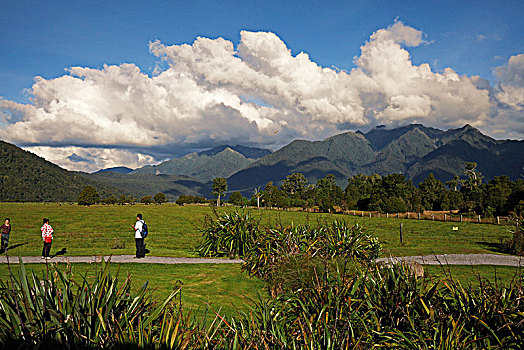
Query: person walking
[[47, 236], [6, 230], [139, 239]]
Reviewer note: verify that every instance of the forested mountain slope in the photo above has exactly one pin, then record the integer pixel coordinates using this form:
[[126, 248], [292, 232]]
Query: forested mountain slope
[[26, 177]]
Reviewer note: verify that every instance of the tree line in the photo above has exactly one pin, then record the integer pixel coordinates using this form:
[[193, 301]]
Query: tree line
[[90, 196], [393, 193]]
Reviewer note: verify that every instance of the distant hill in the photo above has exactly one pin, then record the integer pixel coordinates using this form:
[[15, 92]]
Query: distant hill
[[414, 150], [204, 166], [118, 170], [26, 177], [140, 185]]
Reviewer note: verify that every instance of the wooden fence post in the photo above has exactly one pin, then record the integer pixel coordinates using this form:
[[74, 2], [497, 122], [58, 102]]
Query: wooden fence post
[[401, 236], [498, 220], [433, 217], [419, 216], [478, 218], [369, 214], [460, 217], [445, 217]]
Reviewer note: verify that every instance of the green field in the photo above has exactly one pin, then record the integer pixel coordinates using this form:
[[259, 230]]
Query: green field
[[217, 286], [106, 230], [223, 287]]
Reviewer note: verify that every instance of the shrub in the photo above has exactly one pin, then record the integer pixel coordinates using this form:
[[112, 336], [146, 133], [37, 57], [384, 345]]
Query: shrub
[[515, 245]]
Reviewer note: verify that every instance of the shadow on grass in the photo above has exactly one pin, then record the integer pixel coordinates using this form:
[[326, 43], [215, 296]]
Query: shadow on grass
[[494, 247], [13, 247], [63, 251]]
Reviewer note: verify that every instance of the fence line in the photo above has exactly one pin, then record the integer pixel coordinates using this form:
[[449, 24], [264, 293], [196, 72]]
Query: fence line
[[434, 216]]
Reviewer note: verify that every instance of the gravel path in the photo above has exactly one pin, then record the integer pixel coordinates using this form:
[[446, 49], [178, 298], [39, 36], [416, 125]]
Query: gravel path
[[445, 259], [121, 259], [460, 259]]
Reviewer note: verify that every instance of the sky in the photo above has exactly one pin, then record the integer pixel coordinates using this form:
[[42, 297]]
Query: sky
[[97, 84]]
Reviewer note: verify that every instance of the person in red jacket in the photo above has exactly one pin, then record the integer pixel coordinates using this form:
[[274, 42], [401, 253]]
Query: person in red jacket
[[47, 236]]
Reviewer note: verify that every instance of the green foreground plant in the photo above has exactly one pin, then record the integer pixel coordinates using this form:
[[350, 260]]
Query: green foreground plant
[[328, 294], [59, 311]]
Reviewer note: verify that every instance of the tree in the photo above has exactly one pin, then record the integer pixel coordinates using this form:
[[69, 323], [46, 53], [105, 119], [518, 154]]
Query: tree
[[146, 200], [472, 189], [328, 194], [394, 205], [236, 198], [219, 188], [515, 201], [188, 199], [474, 178], [126, 199], [390, 190], [257, 194], [498, 191], [360, 189], [88, 196], [294, 184], [432, 191], [160, 198], [454, 183], [110, 200]]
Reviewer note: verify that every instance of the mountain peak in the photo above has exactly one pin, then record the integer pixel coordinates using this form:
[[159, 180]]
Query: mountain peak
[[248, 152], [380, 137]]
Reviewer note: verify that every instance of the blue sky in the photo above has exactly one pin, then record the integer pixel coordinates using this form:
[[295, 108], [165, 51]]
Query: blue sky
[[44, 38]]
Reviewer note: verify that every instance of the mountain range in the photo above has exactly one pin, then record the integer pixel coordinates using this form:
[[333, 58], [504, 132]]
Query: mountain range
[[222, 161], [414, 150]]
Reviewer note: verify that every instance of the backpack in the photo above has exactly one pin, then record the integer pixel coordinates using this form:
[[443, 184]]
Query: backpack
[[143, 231]]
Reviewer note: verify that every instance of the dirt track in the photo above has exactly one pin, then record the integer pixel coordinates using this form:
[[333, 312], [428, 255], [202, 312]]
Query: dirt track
[[444, 259]]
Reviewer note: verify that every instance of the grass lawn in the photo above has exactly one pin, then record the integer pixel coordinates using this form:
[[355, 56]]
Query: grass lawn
[[106, 229], [470, 275], [221, 286]]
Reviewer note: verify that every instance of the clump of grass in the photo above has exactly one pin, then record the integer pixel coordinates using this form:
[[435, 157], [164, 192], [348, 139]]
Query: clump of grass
[[231, 234], [59, 311], [387, 308]]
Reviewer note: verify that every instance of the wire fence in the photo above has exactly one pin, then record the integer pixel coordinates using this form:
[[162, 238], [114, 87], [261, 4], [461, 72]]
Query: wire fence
[[434, 216]]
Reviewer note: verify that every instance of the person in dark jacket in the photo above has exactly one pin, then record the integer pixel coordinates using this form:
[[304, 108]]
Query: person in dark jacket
[[5, 229]]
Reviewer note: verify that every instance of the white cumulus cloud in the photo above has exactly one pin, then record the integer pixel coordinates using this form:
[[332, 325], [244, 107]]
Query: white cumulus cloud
[[210, 93]]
